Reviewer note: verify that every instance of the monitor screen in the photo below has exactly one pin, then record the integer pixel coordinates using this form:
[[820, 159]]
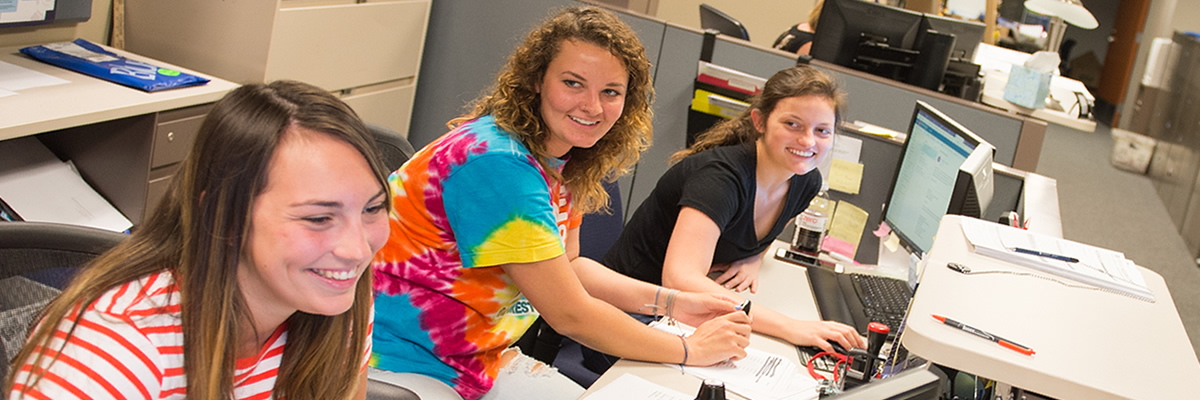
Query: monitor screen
[[967, 34], [921, 193], [29, 13], [844, 22]]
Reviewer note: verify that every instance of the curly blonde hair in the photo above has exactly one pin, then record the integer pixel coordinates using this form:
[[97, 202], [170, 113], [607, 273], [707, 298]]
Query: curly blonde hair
[[515, 102], [801, 80]]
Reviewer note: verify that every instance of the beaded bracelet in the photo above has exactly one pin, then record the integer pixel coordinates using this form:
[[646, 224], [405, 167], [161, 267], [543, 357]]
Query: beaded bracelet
[[685, 351]]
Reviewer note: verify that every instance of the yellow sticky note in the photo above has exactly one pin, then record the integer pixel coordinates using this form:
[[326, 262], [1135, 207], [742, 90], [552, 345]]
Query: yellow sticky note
[[849, 223], [845, 176]]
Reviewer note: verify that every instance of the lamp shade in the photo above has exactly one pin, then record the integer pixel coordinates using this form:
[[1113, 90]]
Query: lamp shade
[[1071, 11]]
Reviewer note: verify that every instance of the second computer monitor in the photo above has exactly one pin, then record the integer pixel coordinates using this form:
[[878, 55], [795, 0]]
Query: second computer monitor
[[924, 188], [967, 34], [843, 23]]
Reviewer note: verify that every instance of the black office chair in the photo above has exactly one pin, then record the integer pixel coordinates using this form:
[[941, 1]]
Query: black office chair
[[712, 18], [394, 147], [37, 260]]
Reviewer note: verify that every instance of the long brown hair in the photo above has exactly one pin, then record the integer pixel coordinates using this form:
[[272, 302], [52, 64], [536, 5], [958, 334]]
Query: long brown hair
[[198, 232], [515, 102], [801, 80]]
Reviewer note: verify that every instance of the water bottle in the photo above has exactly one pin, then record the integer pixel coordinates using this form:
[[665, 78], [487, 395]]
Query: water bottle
[[711, 389], [811, 225]]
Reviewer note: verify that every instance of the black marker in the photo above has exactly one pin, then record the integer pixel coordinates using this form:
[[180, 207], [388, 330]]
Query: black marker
[[745, 307]]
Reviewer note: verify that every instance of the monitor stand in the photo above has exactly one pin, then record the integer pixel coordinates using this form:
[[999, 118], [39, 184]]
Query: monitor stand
[[899, 262]]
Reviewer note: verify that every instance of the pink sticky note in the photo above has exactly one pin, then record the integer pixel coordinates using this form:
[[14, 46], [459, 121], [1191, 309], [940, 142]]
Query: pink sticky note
[[883, 230], [835, 245]]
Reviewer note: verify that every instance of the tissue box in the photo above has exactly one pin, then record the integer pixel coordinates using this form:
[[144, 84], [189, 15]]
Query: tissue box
[[1027, 88]]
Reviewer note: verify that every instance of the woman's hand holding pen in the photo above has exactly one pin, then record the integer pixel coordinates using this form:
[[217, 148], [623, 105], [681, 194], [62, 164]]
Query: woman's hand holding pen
[[722, 338], [694, 309]]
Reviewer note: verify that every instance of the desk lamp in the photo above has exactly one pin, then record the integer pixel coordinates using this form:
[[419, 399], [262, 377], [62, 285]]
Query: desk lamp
[[1060, 11]]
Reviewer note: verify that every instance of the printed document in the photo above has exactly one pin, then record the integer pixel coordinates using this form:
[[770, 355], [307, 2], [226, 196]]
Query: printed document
[[759, 376]]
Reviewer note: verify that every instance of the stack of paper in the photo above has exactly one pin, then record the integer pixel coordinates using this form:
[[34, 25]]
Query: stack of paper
[[1103, 268], [39, 187]]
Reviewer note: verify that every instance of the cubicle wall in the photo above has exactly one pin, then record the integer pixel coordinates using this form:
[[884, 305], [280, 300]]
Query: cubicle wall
[[451, 78]]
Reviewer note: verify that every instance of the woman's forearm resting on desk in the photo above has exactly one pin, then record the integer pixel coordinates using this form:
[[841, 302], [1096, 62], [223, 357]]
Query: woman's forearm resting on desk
[[555, 291]]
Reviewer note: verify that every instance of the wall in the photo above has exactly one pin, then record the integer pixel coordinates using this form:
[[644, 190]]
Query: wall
[[764, 19], [95, 29], [1161, 21]]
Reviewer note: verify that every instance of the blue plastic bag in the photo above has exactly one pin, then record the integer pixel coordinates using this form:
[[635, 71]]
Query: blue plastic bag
[[87, 58]]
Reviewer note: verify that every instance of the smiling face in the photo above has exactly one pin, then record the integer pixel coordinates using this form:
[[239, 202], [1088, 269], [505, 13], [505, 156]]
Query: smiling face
[[797, 135], [313, 231], [583, 95]]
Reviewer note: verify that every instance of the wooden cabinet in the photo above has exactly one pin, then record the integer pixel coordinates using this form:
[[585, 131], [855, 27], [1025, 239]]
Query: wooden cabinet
[[368, 52]]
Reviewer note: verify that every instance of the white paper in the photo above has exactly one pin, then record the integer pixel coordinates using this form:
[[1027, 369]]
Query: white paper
[[48, 190], [759, 376], [847, 148], [14, 78], [633, 387], [1103, 268]]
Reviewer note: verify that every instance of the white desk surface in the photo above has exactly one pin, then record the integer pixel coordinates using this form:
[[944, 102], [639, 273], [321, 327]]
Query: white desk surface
[[87, 100], [783, 287], [1089, 344]]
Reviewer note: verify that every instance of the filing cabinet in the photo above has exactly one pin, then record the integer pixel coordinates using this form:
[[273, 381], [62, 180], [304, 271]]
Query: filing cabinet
[[367, 52], [150, 148]]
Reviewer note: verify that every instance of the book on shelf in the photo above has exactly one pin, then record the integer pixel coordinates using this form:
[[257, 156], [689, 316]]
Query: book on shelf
[[1103, 268]]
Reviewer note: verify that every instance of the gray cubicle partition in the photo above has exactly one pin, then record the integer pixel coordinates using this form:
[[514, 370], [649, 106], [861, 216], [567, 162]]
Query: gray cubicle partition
[[460, 63]]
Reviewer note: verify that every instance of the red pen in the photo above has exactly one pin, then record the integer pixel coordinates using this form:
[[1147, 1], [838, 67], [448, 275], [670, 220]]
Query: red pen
[[977, 332]]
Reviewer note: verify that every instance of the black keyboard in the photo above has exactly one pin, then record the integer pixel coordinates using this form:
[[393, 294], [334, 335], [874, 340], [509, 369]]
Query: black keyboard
[[884, 299], [858, 300]]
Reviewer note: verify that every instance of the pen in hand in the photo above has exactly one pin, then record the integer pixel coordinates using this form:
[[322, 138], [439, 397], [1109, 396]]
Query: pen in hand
[[977, 332], [1045, 254]]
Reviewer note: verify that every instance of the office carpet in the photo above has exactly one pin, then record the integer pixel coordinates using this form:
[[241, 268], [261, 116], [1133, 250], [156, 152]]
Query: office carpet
[[1107, 207]]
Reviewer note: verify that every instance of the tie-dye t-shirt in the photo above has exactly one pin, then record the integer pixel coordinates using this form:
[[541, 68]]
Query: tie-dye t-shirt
[[467, 203]]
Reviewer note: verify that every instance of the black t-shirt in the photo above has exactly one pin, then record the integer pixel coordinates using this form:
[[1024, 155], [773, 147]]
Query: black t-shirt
[[720, 183]]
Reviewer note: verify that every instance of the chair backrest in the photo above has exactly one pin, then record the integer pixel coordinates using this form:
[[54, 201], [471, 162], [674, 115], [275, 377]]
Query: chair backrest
[[38, 259], [712, 18], [599, 231], [394, 147]]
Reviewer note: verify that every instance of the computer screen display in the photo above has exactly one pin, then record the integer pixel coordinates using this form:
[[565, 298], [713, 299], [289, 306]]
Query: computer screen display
[[18, 14], [843, 23], [935, 150]]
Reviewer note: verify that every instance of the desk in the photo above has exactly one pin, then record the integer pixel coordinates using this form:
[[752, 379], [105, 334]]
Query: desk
[[1090, 344], [995, 62], [125, 142], [782, 286]]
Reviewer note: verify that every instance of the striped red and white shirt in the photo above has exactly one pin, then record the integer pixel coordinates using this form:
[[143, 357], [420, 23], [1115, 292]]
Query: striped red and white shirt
[[129, 345]]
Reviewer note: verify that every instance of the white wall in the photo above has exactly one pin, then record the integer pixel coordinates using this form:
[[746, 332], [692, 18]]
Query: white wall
[[764, 19], [1186, 16]]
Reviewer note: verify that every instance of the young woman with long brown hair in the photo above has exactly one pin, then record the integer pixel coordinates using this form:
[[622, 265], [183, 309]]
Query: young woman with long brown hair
[[247, 280]]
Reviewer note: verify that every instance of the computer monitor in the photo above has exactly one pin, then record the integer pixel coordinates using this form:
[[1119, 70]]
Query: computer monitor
[[30, 13], [712, 18], [967, 34], [914, 384], [866, 36], [944, 169]]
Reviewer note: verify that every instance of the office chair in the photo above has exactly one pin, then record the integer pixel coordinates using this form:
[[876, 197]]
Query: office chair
[[712, 18], [394, 148], [37, 260]]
